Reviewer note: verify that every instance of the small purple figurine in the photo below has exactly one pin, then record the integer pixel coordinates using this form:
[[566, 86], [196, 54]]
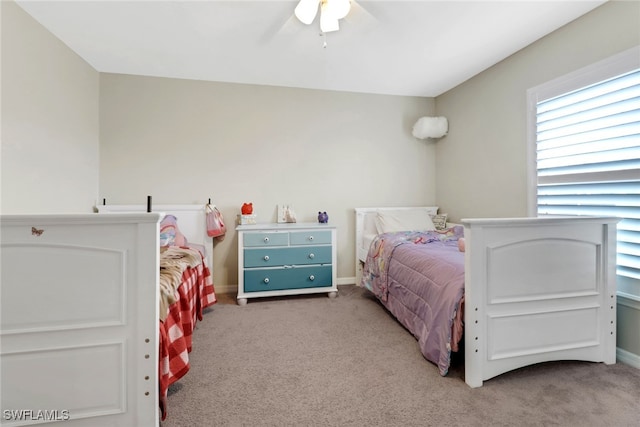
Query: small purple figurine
[[323, 217]]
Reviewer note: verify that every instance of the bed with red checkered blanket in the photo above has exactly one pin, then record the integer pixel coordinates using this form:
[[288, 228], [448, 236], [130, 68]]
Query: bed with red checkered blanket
[[184, 288], [193, 293]]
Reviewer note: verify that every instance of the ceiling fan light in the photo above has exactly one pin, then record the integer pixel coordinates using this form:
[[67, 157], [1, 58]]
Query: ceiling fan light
[[327, 25], [328, 22], [338, 9], [306, 11]]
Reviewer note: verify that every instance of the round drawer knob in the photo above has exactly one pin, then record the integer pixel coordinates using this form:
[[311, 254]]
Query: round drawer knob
[[266, 240], [266, 257], [311, 256], [266, 280], [312, 278]]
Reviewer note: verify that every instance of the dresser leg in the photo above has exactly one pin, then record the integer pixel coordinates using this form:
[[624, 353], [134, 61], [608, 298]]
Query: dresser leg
[[242, 301], [332, 294]]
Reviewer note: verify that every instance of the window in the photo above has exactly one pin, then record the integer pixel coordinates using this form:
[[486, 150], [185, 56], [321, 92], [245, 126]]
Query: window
[[586, 149]]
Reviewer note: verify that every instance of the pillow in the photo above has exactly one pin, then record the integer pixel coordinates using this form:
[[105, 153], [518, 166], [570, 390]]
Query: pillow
[[403, 220], [370, 224], [170, 234], [440, 221]]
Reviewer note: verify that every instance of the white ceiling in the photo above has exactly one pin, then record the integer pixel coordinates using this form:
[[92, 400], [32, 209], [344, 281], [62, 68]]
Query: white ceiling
[[413, 48]]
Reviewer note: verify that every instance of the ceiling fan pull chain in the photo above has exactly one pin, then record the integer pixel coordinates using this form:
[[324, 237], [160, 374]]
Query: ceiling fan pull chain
[[324, 40]]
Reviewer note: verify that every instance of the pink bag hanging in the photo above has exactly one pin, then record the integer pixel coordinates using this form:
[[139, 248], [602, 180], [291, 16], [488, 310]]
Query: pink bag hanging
[[215, 223]]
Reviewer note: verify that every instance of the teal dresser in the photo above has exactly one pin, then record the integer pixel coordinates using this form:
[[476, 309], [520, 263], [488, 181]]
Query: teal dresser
[[286, 259]]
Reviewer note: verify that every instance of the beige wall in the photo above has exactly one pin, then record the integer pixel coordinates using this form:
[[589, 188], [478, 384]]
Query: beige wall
[[482, 162], [49, 121], [628, 334], [184, 141]]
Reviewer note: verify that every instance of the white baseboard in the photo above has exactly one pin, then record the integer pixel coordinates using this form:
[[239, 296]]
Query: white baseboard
[[628, 358]]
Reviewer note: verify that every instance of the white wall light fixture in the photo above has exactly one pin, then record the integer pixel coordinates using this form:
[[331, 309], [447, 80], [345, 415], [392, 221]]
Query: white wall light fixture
[[430, 127], [331, 11]]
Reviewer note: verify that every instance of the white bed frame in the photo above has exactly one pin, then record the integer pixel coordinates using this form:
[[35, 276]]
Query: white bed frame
[[536, 290], [191, 221], [79, 322], [79, 316]]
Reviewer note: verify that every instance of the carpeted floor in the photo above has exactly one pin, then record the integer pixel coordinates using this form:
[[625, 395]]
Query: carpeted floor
[[316, 361]]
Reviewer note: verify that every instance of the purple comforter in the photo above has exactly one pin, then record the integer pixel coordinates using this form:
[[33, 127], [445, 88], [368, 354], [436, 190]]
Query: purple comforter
[[419, 277]]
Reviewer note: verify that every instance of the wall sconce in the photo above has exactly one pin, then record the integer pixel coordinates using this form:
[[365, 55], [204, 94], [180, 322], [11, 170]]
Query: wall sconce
[[430, 127]]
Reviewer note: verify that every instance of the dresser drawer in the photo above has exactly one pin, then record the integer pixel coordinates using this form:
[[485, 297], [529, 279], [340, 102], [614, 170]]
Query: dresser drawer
[[286, 259], [272, 257], [266, 238], [311, 237], [271, 279]]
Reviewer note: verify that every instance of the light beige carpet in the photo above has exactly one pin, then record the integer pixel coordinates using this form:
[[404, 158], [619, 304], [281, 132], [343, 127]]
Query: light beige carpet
[[315, 361]]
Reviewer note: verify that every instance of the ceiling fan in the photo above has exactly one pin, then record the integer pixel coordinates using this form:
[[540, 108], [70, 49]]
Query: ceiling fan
[[331, 11]]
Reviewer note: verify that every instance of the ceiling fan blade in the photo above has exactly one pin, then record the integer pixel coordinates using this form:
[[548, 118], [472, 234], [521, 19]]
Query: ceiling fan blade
[[306, 10]]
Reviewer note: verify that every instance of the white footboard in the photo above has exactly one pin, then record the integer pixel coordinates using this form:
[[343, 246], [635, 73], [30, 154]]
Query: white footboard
[[538, 290], [79, 322]]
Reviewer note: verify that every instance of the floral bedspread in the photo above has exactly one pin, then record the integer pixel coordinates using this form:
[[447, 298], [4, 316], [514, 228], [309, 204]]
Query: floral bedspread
[[375, 271], [419, 278]]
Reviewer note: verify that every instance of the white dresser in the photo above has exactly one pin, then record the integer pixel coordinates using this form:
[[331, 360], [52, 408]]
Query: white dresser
[[286, 259]]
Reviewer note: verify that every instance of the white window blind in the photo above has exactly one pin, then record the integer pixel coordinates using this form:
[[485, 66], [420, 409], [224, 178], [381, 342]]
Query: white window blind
[[588, 158]]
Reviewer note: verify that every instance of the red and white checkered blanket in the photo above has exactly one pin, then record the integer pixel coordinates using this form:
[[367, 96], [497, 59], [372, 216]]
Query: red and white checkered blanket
[[194, 293]]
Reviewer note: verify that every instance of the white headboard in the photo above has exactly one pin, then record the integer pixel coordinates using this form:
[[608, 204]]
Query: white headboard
[[366, 228], [191, 221]]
